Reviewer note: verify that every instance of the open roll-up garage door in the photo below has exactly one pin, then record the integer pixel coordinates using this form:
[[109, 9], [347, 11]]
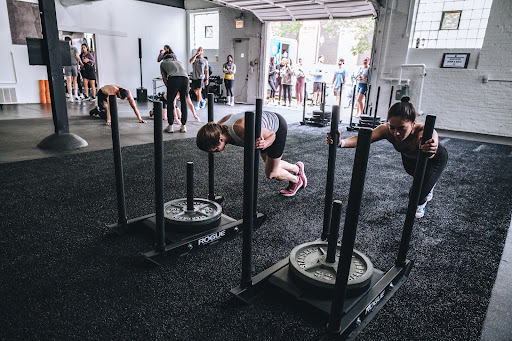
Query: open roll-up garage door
[[292, 10]]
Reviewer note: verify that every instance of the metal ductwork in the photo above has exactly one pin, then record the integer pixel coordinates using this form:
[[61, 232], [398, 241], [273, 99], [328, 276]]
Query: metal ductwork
[[74, 2]]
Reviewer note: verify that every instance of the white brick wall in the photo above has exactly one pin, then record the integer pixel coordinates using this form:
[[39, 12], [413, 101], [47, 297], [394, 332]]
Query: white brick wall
[[459, 97]]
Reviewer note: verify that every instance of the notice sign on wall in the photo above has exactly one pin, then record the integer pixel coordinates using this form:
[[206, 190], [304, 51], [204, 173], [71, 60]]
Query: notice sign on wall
[[239, 24], [455, 60]]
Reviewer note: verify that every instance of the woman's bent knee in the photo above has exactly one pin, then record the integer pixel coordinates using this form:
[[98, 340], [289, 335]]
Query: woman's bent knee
[[271, 175]]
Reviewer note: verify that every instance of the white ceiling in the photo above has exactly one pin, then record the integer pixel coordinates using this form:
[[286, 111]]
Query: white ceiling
[[291, 10]]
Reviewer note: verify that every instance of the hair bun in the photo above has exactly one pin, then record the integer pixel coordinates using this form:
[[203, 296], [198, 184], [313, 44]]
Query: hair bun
[[405, 99]]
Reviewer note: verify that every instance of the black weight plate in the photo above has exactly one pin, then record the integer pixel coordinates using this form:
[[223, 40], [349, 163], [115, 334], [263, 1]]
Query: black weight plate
[[204, 215], [308, 264]]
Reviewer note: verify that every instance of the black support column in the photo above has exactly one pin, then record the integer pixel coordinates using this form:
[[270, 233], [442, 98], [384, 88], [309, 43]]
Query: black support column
[[62, 139]]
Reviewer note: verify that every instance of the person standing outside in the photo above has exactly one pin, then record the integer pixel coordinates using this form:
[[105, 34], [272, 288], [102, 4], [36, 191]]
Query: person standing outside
[[362, 77], [200, 75], [272, 71], [229, 69], [318, 78], [339, 79], [88, 74], [71, 72], [286, 81], [299, 71], [279, 86], [176, 80]]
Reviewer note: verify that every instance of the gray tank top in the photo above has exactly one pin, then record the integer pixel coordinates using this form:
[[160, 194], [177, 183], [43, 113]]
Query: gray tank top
[[269, 120]]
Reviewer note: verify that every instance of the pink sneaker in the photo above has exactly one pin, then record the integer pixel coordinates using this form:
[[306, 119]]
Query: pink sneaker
[[301, 174], [292, 188]]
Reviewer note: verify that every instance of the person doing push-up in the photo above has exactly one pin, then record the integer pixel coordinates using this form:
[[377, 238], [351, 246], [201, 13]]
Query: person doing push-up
[[405, 134], [119, 92], [213, 137]]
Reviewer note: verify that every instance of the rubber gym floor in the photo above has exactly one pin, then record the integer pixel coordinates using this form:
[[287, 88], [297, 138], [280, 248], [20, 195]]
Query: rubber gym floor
[[65, 276]]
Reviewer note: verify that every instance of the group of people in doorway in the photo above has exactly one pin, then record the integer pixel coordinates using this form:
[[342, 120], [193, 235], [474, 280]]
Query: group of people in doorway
[[281, 79], [82, 65]]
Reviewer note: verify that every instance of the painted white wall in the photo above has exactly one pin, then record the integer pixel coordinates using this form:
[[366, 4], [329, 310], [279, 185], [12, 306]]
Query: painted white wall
[[458, 97], [228, 33], [117, 25], [15, 71]]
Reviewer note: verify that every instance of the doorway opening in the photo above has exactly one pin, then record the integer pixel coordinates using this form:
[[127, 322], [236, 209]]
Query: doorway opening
[[77, 39]]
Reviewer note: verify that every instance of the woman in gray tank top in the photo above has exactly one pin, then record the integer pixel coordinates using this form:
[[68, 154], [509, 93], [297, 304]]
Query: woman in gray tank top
[[213, 137]]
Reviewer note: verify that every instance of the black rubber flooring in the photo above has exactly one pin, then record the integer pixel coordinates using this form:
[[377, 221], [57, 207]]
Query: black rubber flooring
[[64, 276]]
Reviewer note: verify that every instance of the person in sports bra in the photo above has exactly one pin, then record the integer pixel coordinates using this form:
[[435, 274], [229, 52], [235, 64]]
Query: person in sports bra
[[213, 137]]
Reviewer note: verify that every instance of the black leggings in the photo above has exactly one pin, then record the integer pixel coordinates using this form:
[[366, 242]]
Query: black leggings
[[174, 85], [287, 89], [273, 88], [229, 86], [435, 168]]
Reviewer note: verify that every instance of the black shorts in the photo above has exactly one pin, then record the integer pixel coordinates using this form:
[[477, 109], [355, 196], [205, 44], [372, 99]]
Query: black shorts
[[317, 86], [102, 99], [276, 150], [88, 72], [197, 84]]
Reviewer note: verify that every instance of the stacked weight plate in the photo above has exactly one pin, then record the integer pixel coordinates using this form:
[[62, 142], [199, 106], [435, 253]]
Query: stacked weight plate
[[367, 121]]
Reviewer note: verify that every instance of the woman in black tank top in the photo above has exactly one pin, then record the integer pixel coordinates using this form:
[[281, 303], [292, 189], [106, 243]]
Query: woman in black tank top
[[405, 134]]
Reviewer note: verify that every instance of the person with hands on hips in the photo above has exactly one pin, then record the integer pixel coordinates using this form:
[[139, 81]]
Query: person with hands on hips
[[404, 133], [213, 137]]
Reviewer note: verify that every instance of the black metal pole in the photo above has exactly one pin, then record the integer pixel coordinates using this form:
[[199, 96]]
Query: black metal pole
[[211, 158], [331, 167], [304, 106], [118, 162], [140, 61], [419, 174], [335, 228], [376, 107], [350, 228], [159, 177], [211, 102], [367, 97], [190, 186], [248, 204], [51, 48], [322, 97], [341, 92], [353, 103], [391, 96], [257, 132]]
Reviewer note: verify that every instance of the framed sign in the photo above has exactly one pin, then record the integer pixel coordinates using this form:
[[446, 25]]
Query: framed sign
[[208, 31], [239, 24], [455, 60]]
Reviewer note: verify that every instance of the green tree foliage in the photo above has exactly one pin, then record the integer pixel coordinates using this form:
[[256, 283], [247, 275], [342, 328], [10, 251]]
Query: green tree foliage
[[286, 29], [362, 29]]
